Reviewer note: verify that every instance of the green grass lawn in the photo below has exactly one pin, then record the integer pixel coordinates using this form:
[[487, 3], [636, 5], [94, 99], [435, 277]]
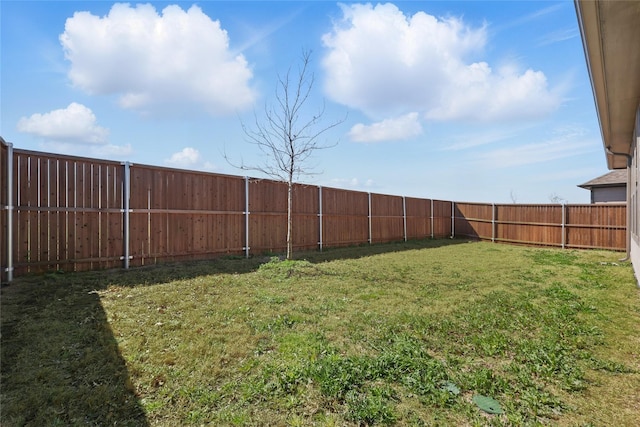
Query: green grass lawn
[[422, 333]]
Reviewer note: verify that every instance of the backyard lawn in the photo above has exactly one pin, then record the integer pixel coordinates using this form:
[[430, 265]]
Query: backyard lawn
[[436, 332]]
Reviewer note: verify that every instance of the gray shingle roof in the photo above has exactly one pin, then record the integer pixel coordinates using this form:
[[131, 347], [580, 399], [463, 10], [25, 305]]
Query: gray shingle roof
[[614, 178]]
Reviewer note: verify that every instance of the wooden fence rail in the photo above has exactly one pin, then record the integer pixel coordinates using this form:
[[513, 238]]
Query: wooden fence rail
[[70, 213]]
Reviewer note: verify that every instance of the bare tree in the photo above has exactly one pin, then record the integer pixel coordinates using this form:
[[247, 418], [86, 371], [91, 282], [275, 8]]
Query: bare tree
[[555, 198], [289, 134], [514, 196]]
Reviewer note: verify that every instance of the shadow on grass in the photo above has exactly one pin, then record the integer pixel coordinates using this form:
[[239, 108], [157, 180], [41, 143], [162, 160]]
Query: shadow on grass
[[60, 362], [355, 252], [237, 264]]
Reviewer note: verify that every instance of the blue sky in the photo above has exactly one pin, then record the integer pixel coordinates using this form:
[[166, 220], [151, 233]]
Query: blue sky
[[466, 101]]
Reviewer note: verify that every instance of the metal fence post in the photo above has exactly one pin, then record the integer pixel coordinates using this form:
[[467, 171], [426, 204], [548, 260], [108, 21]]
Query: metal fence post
[[453, 219], [564, 221], [370, 234], [126, 211], [432, 232], [320, 217], [10, 209], [246, 216], [404, 216]]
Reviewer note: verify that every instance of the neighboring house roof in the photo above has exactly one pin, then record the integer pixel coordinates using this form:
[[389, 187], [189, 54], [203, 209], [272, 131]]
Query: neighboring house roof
[[616, 178], [610, 35]]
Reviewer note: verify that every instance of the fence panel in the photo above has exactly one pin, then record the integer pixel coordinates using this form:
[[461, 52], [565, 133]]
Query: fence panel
[[442, 218], [584, 226], [387, 218], [596, 226], [306, 222], [345, 216], [418, 218], [177, 214], [67, 214], [529, 224], [474, 220], [268, 218]]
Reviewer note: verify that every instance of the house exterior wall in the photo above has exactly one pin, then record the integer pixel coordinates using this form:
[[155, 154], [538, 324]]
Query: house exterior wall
[[634, 202], [608, 194]]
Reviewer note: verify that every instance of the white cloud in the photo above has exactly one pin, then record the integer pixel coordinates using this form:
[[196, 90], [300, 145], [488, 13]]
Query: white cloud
[[478, 138], [482, 94], [395, 129], [353, 183], [539, 152], [385, 63], [74, 124], [189, 158], [565, 143], [558, 36], [113, 151], [170, 62], [102, 151], [527, 19]]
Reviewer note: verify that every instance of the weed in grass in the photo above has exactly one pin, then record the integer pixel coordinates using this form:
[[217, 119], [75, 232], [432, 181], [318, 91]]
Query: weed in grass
[[302, 347], [610, 366], [335, 375], [264, 298], [277, 269], [553, 257], [285, 321], [370, 406], [591, 276], [484, 381]]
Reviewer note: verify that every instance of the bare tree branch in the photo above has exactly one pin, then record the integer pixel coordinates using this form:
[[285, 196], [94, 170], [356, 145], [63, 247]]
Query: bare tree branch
[[285, 136]]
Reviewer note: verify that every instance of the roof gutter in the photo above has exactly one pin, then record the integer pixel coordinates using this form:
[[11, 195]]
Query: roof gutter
[[595, 67], [628, 233]]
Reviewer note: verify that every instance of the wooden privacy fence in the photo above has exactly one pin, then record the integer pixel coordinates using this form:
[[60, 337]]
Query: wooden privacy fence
[[70, 213], [601, 226]]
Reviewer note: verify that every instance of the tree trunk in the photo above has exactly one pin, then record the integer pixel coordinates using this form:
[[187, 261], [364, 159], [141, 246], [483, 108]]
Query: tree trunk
[[289, 220]]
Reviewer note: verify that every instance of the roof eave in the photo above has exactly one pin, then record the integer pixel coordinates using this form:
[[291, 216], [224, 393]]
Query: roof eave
[[610, 33]]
